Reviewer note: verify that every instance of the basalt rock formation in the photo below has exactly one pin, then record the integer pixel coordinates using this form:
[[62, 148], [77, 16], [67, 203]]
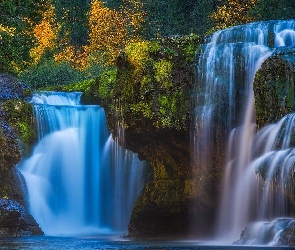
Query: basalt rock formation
[[274, 87], [16, 132], [148, 100], [15, 220]]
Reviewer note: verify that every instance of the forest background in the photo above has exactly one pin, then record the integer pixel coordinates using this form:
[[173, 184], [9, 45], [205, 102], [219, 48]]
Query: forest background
[[58, 42]]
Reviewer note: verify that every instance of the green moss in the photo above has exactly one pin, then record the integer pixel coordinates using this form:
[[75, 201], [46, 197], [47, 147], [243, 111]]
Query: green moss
[[274, 88], [163, 70], [154, 82], [83, 86], [9, 157], [105, 83], [20, 117]]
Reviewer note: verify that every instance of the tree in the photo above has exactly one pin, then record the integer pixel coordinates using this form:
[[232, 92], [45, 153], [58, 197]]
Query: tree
[[178, 17], [72, 16], [111, 30], [273, 10], [17, 19], [234, 12], [45, 34]]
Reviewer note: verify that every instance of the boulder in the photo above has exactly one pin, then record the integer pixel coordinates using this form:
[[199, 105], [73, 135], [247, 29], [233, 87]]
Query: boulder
[[16, 221], [16, 132], [11, 88]]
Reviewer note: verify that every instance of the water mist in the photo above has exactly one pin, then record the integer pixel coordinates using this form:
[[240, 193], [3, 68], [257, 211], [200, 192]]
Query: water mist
[[79, 181]]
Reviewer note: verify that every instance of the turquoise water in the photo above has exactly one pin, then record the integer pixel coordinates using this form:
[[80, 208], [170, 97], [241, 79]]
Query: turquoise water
[[57, 243]]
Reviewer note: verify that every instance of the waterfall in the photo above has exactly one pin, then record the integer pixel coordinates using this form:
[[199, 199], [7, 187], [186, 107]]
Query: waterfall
[[225, 108], [78, 179]]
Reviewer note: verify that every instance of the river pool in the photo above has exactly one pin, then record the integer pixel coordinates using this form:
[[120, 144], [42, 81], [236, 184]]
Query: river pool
[[94, 242]]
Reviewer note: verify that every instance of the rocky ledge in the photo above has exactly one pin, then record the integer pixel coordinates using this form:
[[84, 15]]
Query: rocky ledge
[[16, 131], [16, 221]]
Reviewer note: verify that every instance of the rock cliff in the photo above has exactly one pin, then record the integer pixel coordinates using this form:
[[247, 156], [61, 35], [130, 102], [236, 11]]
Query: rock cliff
[[16, 132]]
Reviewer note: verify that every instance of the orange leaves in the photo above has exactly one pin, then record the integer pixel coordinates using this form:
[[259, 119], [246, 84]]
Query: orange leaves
[[78, 58], [7, 30], [111, 30], [235, 12], [45, 34], [107, 30]]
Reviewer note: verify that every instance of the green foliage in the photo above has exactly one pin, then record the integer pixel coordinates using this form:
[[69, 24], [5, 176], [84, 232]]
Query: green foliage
[[15, 47], [19, 115], [172, 108], [274, 88], [163, 71], [105, 83], [50, 73], [72, 15], [83, 86], [154, 81], [179, 17], [273, 10]]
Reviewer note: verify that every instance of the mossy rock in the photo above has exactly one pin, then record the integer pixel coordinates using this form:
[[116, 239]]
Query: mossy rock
[[168, 208], [274, 88], [153, 81], [15, 221], [19, 115], [16, 130]]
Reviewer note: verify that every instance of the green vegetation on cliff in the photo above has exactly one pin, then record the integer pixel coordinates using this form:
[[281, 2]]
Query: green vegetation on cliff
[[274, 88], [20, 118], [153, 81]]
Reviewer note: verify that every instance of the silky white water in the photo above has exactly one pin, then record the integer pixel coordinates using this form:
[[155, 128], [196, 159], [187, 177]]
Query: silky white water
[[79, 181], [225, 98]]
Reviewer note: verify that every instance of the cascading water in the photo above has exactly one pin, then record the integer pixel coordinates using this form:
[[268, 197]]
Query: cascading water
[[74, 168], [225, 106]]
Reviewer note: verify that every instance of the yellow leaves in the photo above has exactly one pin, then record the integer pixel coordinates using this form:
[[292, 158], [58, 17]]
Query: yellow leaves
[[78, 58], [133, 14], [163, 70], [107, 30], [138, 53], [112, 30], [235, 12], [45, 34], [6, 30]]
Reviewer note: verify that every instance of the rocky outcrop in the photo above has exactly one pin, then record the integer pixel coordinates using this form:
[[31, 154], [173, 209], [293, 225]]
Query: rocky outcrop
[[287, 236], [274, 87], [16, 132], [279, 232], [149, 96], [16, 221], [10, 154]]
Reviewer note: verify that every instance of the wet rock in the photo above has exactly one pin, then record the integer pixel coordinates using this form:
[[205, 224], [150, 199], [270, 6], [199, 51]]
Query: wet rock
[[11, 88], [279, 232], [274, 87], [16, 221], [287, 237]]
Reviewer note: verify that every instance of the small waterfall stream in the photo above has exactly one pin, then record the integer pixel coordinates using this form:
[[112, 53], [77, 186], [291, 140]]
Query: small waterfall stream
[[78, 179], [225, 100]]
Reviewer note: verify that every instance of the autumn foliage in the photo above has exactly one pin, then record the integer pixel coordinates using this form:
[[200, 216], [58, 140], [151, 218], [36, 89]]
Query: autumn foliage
[[111, 30], [234, 12], [45, 34]]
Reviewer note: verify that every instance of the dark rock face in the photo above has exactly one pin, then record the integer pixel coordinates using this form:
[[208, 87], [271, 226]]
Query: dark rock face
[[179, 200], [274, 87], [16, 221], [11, 88], [10, 153], [150, 97], [15, 130], [287, 237]]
